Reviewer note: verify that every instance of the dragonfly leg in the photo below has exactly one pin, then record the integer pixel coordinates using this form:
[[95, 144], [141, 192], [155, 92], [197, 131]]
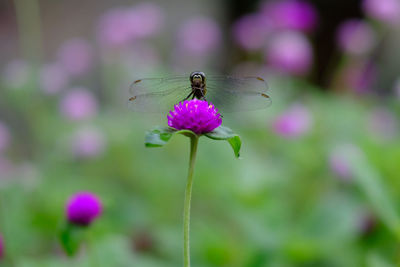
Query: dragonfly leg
[[191, 93]]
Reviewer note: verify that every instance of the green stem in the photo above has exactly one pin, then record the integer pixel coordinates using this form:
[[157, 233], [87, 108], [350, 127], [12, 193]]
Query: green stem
[[194, 140]]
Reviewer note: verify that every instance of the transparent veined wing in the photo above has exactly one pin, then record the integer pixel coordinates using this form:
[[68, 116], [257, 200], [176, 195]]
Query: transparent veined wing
[[230, 94], [158, 94]]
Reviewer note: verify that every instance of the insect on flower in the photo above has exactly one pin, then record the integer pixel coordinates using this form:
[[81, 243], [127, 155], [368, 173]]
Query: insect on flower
[[227, 93]]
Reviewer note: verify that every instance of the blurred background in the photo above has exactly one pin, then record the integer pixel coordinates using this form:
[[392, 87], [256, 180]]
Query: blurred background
[[318, 183]]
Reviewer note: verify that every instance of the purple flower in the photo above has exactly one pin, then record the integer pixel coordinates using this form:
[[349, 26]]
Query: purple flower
[[199, 35], [88, 142], [356, 37], [16, 73], [195, 115], [76, 56], [290, 52], [120, 26], [53, 78], [78, 104], [251, 31], [294, 122], [387, 11], [83, 207], [1, 247], [5, 137], [339, 160], [291, 15], [383, 124]]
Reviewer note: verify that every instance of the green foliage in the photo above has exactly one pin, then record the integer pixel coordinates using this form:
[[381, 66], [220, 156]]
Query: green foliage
[[161, 135]]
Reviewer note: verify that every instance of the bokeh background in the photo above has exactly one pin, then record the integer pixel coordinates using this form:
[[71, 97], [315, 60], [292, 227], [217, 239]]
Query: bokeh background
[[319, 179]]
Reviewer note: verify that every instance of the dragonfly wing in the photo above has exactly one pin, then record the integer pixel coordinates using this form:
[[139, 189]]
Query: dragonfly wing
[[230, 94], [158, 94]]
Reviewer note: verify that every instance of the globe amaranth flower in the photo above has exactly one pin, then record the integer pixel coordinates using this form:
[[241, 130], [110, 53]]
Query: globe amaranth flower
[[196, 115], [83, 208], [78, 104]]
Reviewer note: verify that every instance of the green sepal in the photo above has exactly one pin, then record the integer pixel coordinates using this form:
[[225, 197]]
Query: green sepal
[[225, 133], [71, 237], [160, 136]]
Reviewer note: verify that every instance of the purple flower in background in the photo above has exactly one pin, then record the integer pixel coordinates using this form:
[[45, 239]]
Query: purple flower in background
[[120, 26], [88, 142], [83, 208], [146, 20], [5, 137], [53, 78], [387, 11], [339, 160], [291, 15], [195, 115], [383, 124], [356, 37], [294, 122], [16, 73], [290, 52], [199, 35], [1, 247], [251, 31], [78, 104], [76, 56]]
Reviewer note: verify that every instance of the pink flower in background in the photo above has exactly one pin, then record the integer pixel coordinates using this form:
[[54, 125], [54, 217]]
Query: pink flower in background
[[291, 15], [146, 20], [339, 160], [78, 104], [120, 26], [16, 73], [383, 124], [83, 208], [88, 142], [5, 137], [356, 37], [387, 11], [290, 52], [294, 122], [251, 32], [76, 56], [52, 78], [199, 35]]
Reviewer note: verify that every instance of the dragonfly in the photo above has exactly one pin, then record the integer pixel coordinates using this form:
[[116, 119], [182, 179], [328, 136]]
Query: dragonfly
[[227, 93]]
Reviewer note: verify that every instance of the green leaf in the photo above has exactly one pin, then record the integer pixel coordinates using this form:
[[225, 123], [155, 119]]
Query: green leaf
[[225, 133], [71, 236], [161, 135]]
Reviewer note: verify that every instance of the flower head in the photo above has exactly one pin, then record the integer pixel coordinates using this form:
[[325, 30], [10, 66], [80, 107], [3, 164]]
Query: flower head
[[294, 122], [386, 11], [76, 56], [83, 207], [293, 15], [196, 115], [290, 52], [88, 143], [356, 37], [78, 104], [199, 35]]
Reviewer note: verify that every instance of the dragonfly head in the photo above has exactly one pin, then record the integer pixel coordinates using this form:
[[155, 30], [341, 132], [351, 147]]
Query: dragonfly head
[[197, 77]]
